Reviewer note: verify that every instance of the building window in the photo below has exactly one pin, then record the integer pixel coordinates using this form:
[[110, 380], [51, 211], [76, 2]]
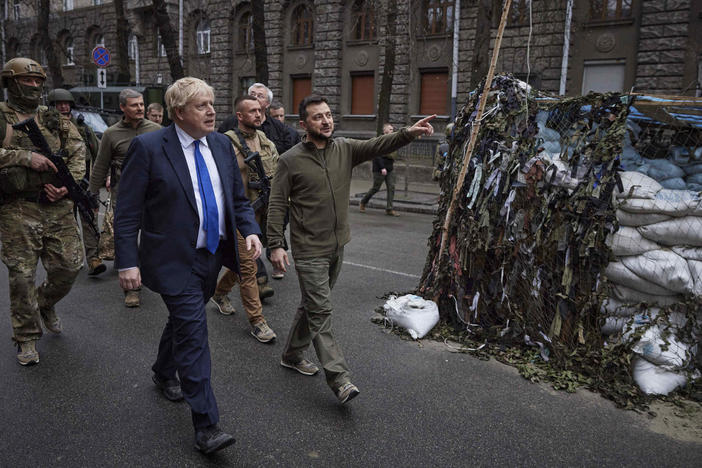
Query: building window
[[69, 52], [16, 9], [302, 24], [245, 83], [67, 5], [133, 47], [245, 32], [203, 37], [301, 87], [434, 93], [99, 40], [363, 21], [603, 76], [362, 92], [160, 48], [520, 13], [602, 10], [438, 16], [97, 2]]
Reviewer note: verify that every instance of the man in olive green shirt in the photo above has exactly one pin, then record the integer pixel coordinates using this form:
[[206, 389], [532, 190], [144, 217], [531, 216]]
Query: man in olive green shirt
[[108, 165], [315, 176]]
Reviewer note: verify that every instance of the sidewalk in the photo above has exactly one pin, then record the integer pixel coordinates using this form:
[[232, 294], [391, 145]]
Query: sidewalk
[[420, 198]]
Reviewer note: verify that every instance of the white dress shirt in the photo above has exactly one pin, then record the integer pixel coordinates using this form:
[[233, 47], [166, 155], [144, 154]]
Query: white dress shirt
[[188, 144]]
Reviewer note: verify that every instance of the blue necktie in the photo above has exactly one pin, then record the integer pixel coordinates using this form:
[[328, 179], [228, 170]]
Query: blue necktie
[[210, 217]]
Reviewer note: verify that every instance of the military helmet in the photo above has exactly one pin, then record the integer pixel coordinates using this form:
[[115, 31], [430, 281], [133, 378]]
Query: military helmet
[[21, 66], [60, 94], [448, 130]]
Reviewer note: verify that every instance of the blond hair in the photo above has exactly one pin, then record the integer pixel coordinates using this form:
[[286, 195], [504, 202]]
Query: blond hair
[[180, 93]]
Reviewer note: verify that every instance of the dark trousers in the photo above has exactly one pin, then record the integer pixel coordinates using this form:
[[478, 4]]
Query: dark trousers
[[184, 347]]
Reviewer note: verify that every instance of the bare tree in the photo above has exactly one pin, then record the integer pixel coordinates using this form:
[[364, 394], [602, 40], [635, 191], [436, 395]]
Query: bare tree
[[48, 45], [389, 68], [259, 37], [123, 75], [168, 38], [481, 43]]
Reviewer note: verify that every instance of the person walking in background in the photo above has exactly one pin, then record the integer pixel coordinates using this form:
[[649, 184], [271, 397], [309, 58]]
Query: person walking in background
[[174, 228], [383, 172], [314, 180]]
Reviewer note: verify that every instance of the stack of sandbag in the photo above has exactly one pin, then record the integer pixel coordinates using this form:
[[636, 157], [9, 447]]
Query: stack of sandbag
[[658, 250], [682, 170]]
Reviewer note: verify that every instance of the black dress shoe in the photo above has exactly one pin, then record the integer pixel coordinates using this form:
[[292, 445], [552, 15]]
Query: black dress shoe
[[211, 439], [170, 388]]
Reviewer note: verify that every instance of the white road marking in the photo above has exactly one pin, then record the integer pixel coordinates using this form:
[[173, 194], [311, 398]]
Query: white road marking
[[409, 275]]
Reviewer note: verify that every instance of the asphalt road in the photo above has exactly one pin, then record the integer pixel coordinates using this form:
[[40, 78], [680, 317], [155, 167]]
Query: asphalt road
[[91, 402]]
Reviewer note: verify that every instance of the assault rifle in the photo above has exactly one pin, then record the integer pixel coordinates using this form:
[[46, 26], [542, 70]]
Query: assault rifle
[[85, 202], [263, 184]]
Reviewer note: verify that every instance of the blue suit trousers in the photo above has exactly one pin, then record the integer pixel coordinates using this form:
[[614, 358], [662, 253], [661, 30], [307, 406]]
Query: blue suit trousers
[[184, 346]]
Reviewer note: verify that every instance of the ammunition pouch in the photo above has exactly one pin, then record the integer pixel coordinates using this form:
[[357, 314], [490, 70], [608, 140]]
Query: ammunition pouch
[[21, 180]]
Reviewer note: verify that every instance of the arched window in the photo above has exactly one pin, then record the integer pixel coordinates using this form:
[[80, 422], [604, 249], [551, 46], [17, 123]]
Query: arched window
[[245, 38], [203, 37], [609, 9], [133, 47], [362, 21], [99, 40], [68, 50], [438, 16], [302, 24]]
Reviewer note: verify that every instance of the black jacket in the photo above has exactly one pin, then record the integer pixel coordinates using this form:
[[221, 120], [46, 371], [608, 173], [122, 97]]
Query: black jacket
[[283, 136]]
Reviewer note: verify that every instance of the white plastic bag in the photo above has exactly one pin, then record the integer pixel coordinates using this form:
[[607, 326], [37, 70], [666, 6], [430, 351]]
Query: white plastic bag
[[662, 267], [413, 313], [629, 241], [655, 379]]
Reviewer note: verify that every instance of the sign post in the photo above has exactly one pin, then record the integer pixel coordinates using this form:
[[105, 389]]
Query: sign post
[[101, 58]]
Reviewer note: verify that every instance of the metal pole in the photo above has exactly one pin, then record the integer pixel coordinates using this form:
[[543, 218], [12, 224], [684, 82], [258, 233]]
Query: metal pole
[[136, 59], [102, 102], [566, 48], [180, 30], [454, 64]]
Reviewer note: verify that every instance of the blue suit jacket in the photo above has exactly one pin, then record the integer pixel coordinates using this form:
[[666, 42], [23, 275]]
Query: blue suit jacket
[[156, 196]]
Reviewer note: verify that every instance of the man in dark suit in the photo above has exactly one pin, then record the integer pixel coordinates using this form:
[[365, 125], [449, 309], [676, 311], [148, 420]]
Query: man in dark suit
[[183, 190]]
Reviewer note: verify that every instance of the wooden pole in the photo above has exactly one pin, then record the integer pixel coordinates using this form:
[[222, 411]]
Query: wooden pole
[[476, 125]]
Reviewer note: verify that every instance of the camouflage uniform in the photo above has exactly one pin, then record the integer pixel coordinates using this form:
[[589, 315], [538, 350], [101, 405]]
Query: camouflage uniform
[[90, 238], [30, 231]]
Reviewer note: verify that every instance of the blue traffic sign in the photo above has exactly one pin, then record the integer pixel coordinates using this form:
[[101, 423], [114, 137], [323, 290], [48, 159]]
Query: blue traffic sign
[[101, 56]]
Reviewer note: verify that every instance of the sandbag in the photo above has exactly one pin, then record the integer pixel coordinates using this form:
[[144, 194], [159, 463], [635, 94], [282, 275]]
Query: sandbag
[[680, 231], [695, 267], [660, 204], [675, 183], [612, 307], [640, 219], [629, 241], [637, 185], [695, 178], [661, 347], [688, 253], [695, 168], [412, 312], [661, 169], [653, 379], [632, 296], [662, 267], [617, 273], [615, 324]]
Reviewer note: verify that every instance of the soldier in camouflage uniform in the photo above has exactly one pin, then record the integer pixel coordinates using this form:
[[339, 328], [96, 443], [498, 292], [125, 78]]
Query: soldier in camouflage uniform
[[63, 101], [36, 217]]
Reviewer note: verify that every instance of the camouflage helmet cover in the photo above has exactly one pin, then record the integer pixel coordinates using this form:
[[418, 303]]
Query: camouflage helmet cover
[[21, 66], [60, 94], [448, 130]]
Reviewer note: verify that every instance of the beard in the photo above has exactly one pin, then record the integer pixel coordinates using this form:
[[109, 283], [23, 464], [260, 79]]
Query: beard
[[317, 135]]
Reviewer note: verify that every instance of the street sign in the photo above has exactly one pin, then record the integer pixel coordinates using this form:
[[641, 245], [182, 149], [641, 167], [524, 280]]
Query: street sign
[[101, 78], [101, 56]]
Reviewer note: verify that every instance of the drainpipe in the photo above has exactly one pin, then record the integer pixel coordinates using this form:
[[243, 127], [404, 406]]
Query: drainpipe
[[2, 32], [566, 47], [136, 59], [454, 66], [180, 31]]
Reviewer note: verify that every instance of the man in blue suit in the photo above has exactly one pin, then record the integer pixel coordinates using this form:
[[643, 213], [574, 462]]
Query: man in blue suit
[[181, 188]]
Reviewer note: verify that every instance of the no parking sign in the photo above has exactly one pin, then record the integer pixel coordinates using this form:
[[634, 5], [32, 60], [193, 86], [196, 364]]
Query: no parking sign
[[101, 56]]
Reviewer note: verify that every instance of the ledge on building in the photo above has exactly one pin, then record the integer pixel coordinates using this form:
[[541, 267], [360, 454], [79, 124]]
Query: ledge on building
[[363, 117], [438, 118], [609, 22]]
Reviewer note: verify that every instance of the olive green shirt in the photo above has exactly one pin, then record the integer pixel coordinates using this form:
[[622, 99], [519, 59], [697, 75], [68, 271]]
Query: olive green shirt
[[317, 183], [113, 149]]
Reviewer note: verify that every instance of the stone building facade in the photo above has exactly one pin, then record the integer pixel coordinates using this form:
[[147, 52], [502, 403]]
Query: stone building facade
[[337, 48]]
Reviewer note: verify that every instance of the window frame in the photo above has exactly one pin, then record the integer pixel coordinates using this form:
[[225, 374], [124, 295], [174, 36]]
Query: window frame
[[361, 16], [604, 16], [297, 25], [132, 46], [245, 43], [352, 77], [16, 7], [429, 9], [160, 48], [69, 50], [67, 5], [203, 37]]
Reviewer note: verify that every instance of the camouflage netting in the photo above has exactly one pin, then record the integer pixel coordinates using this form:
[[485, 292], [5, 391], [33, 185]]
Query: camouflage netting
[[529, 259]]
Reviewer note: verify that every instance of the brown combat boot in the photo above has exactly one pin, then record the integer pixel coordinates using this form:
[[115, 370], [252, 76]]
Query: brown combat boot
[[27, 353], [362, 207], [264, 290], [132, 298], [51, 321], [95, 266], [392, 213]]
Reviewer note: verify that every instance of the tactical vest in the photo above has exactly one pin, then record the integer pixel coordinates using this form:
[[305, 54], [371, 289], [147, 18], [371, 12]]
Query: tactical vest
[[22, 181]]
